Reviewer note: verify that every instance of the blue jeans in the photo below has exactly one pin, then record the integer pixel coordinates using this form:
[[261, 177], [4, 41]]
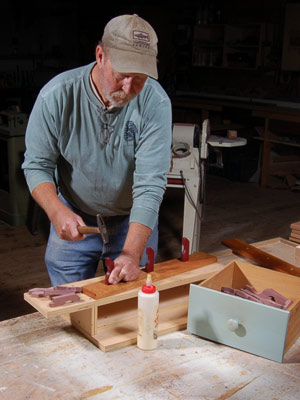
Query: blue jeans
[[74, 261]]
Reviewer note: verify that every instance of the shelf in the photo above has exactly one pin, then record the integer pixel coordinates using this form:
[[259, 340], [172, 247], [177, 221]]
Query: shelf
[[242, 46], [271, 138], [215, 44], [278, 142]]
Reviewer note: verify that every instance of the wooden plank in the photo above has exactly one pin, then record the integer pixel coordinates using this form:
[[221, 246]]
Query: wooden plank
[[293, 239], [295, 235], [42, 304], [282, 248], [297, 231], [99, 290], [295, 225], [260, 257]]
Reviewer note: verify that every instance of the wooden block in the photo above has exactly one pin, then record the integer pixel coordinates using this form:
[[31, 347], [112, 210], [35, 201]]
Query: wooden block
[[99, 290]]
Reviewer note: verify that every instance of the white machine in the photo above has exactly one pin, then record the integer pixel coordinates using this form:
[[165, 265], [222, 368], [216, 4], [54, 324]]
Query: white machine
[[189, 152]]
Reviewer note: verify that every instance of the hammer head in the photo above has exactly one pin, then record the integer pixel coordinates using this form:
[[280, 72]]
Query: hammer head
[[102, 228]]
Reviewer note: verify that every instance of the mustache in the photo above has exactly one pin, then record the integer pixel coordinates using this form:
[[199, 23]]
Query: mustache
[[120, 94], [119, 98]]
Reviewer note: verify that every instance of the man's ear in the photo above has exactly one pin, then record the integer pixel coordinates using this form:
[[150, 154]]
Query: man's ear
[[99, 55]]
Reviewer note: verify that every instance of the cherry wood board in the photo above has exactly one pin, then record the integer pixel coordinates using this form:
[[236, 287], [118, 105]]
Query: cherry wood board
[[100, 290]]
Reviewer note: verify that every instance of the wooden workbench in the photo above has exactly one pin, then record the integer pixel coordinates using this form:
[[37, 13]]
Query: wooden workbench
[[49, 359]]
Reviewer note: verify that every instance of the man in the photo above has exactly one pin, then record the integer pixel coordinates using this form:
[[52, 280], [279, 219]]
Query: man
[[98, 141]]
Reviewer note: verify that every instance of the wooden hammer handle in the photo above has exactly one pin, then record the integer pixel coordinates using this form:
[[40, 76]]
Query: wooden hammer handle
[[88, 229]]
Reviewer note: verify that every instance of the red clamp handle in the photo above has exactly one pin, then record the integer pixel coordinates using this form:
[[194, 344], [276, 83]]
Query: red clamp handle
[[150, 263], [185, 254], [110, 265]]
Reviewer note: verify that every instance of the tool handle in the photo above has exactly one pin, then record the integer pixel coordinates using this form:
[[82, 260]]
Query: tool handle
[[88, 229]]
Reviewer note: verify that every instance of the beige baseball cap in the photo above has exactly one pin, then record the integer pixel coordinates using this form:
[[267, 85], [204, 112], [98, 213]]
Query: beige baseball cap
[[132, 44]]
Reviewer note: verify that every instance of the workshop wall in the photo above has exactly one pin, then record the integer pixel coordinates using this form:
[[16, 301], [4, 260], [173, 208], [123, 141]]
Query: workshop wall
[[39, 40]]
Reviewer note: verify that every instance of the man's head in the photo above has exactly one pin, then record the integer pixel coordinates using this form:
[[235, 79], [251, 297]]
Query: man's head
[[125, 57], [116, 88], [132, 44]]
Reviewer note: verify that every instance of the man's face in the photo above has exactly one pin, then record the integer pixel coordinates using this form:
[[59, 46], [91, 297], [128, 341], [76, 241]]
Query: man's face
[[117, 88]]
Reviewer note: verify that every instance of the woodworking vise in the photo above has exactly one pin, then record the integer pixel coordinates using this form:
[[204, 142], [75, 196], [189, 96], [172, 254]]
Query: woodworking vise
[[189, 154]]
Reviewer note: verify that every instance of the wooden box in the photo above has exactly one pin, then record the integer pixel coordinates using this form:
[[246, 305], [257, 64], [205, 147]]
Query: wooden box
[[244, 324]]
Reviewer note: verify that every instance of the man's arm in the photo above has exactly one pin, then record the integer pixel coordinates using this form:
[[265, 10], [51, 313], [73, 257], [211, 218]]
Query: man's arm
[[65, 221], [127, 264], [152, 162]]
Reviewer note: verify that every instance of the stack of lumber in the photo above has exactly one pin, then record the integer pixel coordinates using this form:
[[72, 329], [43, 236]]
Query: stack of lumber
[[295, 232]]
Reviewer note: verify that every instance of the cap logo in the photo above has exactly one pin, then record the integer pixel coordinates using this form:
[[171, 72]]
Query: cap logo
[[139, 35]]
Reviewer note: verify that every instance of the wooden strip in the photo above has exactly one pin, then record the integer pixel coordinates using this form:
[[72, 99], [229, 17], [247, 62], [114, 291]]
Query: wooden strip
[[295, 225], [295, 230], [100, 290], [293, 239], [295, 235], [262, 258]]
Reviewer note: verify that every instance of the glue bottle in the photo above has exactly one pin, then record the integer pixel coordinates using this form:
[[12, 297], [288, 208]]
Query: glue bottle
[[148, 300]]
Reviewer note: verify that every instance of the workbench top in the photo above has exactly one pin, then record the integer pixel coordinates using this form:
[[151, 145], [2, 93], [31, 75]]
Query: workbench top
[[45, 359], [49, 359]]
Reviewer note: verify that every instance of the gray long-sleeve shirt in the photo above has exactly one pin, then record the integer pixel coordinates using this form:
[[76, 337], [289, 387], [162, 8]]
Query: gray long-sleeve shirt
[[108, 161]]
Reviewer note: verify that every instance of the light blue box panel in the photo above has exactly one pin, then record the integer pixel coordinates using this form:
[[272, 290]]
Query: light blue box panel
[[237, 322]]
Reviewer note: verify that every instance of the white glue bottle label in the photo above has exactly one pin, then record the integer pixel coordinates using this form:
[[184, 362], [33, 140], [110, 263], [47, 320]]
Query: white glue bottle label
[[148, 301]]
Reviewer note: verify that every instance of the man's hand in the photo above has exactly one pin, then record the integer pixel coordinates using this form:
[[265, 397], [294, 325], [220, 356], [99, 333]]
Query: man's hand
[[125, 269], [127, 264], [66, 224], [64, 220]]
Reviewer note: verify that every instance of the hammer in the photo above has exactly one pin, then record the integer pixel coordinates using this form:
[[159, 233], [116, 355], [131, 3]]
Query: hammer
[[93, 229]]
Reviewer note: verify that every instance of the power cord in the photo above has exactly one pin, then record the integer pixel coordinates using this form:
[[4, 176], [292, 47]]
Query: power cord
[[189, 196]]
